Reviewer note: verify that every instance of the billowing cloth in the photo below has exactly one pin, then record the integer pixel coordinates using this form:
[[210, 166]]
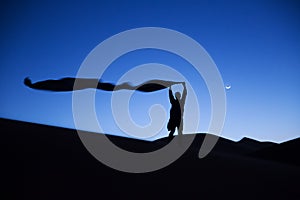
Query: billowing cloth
[[71, 84]]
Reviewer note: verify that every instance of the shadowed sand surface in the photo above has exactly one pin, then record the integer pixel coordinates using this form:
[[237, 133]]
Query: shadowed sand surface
[[44, 162]]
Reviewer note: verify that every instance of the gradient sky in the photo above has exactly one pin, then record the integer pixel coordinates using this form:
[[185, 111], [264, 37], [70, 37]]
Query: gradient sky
[[255, 45]]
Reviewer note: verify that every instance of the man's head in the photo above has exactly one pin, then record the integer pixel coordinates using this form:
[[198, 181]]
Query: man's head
[[177, 95]]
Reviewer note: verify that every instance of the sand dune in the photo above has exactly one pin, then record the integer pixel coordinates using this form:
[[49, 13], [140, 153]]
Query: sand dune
[[44, 162]]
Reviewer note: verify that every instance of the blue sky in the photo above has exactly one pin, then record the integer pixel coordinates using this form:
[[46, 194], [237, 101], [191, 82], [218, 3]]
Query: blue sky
[[255, 45]]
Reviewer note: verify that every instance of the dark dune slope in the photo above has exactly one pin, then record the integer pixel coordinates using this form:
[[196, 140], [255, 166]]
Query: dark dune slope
[[43, 162], [286, 152]]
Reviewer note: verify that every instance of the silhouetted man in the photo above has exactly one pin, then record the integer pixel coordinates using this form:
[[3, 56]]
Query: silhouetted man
[[176, 112]]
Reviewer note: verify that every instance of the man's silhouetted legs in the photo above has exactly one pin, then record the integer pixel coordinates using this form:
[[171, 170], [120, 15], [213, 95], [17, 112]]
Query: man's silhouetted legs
[[171, 134], [180, 128]]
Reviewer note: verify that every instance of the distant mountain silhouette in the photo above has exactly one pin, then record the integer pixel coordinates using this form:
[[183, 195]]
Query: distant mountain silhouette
[[286, 152], [45, 162]]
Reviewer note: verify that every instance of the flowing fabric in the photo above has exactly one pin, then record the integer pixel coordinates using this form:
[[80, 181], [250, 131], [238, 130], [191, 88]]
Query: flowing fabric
[[71, 84]]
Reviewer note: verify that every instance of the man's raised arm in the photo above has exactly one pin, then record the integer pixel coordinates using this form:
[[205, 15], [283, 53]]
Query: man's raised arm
[[171, 97], [184, 93]]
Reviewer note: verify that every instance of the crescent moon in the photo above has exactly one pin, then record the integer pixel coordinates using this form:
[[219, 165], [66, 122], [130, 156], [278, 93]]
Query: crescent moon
[[227, 87]]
